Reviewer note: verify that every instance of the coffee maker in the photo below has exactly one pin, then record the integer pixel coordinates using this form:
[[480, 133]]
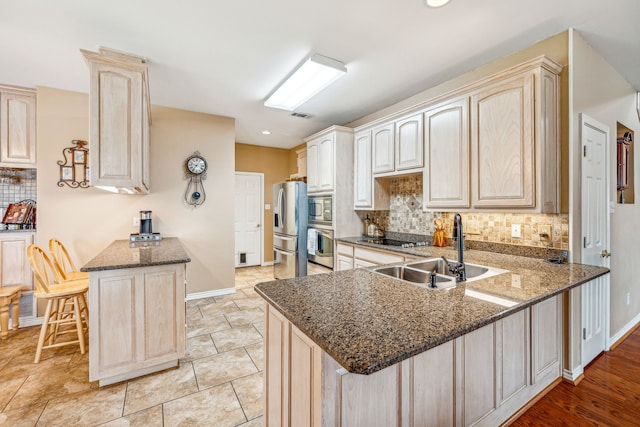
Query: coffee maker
[[146, 233]]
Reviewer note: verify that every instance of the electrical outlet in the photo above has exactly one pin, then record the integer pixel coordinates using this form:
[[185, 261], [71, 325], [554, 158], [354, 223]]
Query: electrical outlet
[[516, 231], [544, 231], [515, 281], [136, 221]]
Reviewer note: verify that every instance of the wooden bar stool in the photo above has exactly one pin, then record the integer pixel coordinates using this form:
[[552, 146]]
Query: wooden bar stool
[[9, 295], [63, 262], [66, 311]]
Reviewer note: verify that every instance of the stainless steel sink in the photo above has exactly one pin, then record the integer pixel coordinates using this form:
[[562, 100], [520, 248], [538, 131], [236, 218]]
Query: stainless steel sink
[[419, 273]]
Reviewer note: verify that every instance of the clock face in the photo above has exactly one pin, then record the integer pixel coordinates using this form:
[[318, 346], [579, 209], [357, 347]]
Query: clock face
[[196, 165]]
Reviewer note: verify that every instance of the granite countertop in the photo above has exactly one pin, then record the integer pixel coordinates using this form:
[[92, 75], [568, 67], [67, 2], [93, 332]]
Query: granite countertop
[[367, 321], [123, 254]]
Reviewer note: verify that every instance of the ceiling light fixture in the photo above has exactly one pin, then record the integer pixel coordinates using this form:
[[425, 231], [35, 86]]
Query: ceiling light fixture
[[316, 73], [266, 132], [436, 3]]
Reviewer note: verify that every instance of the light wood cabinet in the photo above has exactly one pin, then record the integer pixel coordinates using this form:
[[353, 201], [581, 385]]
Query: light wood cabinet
[[355, 256], [14, 264], [409, 143], [17, 127], [363, 179], [546, 340], [447, 156], [137, 321], [119, 121], [312, 167], [320, 164], [383, 143]]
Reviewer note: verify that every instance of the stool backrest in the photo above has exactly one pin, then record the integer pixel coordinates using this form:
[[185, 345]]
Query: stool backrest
[[61, 259], [42, 267]]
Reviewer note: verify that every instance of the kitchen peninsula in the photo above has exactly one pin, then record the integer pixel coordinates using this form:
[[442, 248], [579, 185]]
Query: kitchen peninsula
[[359, 348], [137, 309]]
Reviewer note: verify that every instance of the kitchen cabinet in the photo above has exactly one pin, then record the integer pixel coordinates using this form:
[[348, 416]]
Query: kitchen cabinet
[[384, 141], [356, 256], [398, 146], [514, 140], [17, 127], [15, 269], [369, 192], [320, 163], [344, 257], [447, 173], [119, 121]]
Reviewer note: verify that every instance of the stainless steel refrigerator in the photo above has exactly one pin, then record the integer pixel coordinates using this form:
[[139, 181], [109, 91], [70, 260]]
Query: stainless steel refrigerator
[[290, 212]]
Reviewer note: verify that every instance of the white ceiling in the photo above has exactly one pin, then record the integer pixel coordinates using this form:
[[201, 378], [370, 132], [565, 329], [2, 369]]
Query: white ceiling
[[225, 57]]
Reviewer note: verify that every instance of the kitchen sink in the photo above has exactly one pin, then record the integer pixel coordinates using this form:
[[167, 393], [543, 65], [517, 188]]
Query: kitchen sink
[[419, 272]]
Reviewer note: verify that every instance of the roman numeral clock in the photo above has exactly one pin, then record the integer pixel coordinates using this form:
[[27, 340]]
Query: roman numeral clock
[[196, 171]]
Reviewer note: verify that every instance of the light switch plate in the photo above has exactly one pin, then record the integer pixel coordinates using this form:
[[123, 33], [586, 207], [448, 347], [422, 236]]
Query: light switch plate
[[136, 221], [267, 206], [516, 231], [544, 231]]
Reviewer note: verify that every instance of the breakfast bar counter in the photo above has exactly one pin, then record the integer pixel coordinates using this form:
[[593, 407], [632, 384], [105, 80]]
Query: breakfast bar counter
[[137, 309], [477, 351]]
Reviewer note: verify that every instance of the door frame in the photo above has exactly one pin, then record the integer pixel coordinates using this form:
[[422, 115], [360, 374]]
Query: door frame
[[261, 176], [586, 120]]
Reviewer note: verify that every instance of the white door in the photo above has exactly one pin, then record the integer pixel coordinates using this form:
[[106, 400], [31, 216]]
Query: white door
[[249, 218], [595, 235]]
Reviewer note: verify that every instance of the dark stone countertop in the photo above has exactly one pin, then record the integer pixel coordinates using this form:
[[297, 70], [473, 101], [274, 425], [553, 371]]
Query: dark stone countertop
[[123, 254], [367, 321]]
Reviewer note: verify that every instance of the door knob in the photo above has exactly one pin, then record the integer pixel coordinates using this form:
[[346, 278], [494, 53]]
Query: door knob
[[605, 253], [258, 225]]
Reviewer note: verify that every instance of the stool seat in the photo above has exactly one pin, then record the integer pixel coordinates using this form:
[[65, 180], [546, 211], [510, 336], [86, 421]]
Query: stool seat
[[9, 295]]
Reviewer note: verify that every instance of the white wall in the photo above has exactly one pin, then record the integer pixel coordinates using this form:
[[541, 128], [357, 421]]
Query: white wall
[[88, 220]]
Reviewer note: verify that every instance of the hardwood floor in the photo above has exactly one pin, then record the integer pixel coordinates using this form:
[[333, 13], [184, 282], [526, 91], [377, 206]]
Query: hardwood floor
[[609, 394]]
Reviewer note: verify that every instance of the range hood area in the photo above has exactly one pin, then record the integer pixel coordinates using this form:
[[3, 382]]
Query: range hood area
[[120, 117]]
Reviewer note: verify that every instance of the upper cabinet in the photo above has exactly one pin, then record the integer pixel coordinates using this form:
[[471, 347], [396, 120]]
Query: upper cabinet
[[320, 163], [446, 176], [362, 195], [119, 121], [383, 145], [17, 127], [409, 143]]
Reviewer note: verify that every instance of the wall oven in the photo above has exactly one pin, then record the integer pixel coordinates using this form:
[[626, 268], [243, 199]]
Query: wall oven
[[320, 231]]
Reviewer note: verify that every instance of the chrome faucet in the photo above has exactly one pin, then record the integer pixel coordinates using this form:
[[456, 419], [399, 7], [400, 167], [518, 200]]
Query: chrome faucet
[[458, 268]]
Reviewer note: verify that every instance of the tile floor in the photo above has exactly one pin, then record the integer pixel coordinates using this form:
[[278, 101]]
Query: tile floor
[[218, 383]]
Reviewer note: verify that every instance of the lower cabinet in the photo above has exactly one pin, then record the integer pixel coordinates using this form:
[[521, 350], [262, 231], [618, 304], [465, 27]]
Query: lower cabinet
[[137, 321], [355, 256], [14, 264], [482, 378]]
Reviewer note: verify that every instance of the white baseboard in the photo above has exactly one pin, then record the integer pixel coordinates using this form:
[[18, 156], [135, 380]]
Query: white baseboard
[[622, 332], [267, 263], [209, 294], [573, 375], [27, 321]]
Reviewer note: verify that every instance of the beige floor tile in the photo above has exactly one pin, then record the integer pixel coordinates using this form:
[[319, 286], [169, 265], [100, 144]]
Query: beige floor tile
[[146, 418], [250, 303], [217, 406], [223, 367], [218, 308], [51, 384], [23, 366], [23, 417], [230, 339], [256, 352], [245, 317], [250, 292], [200, 301], [88, 408], [260, 327], [193, 313], [199, 347], [231, 297], [249, 391], [205, 326], [8, 389], [155, 389], [258, 422]]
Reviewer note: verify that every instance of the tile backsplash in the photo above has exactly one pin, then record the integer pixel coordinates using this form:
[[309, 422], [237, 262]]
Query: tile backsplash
[[16, 185], [406, 216]]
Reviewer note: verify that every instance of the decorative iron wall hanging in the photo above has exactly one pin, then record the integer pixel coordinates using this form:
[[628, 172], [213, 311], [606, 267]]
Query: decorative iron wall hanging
[[74, 169]]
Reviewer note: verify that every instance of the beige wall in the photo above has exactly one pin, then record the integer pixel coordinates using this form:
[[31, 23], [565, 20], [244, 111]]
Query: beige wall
[[88, 220], [603, 94], [275, 164]]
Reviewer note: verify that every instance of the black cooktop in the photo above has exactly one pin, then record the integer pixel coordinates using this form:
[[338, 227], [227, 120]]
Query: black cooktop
[[392, 242]]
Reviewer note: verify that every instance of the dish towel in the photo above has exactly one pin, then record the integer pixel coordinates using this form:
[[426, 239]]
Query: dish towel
[[312, 241]]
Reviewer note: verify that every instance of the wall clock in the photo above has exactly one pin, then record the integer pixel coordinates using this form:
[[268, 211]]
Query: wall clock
[[196, 171]]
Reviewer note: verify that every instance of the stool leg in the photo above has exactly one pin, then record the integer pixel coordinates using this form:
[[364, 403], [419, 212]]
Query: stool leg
[[43, 331], [4, 317], [79, 327], [15, 311]]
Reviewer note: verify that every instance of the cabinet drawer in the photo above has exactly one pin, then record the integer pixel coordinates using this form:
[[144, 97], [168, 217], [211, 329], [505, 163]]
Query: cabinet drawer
[[345, 249], [377, 257]]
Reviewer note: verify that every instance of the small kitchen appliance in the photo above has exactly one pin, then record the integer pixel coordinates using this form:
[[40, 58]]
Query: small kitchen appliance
[[146, 233]]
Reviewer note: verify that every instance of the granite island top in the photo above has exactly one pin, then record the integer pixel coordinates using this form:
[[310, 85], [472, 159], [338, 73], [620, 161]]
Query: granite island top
[[367, 321], [123, 254]]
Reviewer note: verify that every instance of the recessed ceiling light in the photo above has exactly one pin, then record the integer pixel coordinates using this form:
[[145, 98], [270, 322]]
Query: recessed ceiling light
[[266, 132], [436, 3]]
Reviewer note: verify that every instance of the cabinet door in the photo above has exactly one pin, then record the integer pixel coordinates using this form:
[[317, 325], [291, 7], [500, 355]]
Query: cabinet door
[[276, 387], [345, 263], [409, 143], [362, 194], [503, 157], [383, 145], [312, 167], [546, 340], [305, 379], [325, 163], [446, 177], [512, 357], [17, 128], [14, 264]]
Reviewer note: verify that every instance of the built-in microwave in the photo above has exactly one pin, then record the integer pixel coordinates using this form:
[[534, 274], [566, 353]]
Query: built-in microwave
[[320, 209]]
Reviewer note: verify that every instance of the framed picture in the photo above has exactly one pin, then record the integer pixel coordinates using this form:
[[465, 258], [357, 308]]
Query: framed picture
[[66, 173], [17, 213], [78, 157]]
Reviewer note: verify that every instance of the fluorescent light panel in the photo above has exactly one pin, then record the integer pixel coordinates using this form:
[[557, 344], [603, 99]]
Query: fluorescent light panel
[[311, 77]]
